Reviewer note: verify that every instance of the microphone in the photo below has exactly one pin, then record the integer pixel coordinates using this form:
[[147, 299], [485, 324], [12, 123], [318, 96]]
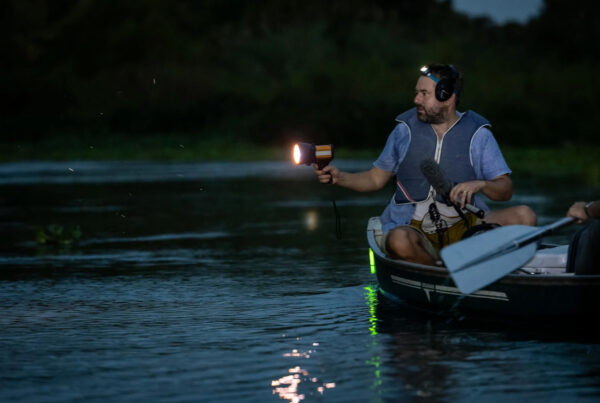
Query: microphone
[[436, 178]]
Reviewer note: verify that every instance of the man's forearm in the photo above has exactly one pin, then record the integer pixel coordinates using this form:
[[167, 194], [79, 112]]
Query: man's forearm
[[498, 189], [366, 181]]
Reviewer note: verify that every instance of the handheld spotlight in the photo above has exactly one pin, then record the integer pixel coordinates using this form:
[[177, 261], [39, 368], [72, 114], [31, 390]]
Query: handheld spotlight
[[308, 154]]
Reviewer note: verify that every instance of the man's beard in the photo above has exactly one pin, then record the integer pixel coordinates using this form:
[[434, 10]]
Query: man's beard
[[431, 116]]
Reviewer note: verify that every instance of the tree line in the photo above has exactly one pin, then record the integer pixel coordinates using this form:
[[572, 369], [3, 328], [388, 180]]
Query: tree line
[[266, 71]]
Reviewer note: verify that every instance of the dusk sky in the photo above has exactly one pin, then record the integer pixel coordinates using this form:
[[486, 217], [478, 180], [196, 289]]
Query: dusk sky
[[500, 11]]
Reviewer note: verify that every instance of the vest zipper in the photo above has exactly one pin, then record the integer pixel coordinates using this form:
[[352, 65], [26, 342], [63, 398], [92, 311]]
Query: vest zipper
[[437, 156]]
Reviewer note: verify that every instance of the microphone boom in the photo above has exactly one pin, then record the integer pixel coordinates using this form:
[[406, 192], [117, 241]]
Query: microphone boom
[[442, 186]]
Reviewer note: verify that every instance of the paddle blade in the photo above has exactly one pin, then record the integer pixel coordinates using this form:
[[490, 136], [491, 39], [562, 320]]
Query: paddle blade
[[472, 250], [477, 276], [482, 259]]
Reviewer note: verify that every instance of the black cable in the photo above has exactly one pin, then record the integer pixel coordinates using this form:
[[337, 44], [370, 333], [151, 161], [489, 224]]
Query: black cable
[[338, 223], [462, 215], [441, 225]]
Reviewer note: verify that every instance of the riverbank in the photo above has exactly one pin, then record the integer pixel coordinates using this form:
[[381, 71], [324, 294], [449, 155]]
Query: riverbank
[[572, 160]]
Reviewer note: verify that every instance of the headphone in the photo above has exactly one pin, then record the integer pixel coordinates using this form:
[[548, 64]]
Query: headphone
[[445, 87]]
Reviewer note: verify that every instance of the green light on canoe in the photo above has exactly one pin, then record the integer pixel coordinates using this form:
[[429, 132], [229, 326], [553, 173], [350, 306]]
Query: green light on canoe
[[372, 261], [371, 299]]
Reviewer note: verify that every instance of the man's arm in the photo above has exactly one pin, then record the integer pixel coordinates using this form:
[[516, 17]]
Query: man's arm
[[491, 169], [497, 189], [365, 181]]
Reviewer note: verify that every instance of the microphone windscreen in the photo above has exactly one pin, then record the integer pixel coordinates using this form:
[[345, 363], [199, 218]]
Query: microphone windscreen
[[432, 171]]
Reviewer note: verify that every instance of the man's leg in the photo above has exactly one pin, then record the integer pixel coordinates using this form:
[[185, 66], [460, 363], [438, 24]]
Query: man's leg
[[408, 244], [517, 215], [585, 255]]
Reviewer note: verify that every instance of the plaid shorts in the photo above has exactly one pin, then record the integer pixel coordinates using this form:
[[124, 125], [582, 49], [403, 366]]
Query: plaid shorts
[[432, 241]]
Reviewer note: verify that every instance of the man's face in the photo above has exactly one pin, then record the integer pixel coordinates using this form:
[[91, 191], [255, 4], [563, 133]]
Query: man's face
[[429, 109]]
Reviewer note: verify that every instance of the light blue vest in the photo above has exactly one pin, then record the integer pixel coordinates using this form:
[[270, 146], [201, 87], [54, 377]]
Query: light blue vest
[[455, 160]]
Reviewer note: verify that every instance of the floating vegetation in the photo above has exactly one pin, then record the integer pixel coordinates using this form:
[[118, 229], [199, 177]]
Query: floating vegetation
[[58, 235]]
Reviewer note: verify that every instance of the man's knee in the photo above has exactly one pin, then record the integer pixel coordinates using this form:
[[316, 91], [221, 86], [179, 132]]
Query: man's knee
[[517, 215], [526, 215], [408, 244], [401, 242]]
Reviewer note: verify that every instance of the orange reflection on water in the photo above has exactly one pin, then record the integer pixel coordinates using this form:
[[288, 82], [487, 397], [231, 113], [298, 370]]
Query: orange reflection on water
[[296, 353], [286, 387], [329, 385], [311, 220]]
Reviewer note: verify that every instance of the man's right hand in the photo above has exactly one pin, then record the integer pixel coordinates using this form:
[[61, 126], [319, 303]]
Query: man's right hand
[[329, 174]]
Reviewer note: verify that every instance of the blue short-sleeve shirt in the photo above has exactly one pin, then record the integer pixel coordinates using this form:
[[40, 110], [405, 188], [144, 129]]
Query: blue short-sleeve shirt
[[486, 158]]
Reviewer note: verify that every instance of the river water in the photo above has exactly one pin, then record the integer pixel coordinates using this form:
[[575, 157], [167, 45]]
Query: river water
[[227, 282]]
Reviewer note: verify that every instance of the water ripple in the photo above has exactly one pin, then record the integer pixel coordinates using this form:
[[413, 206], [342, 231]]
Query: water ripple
[[71, 172]]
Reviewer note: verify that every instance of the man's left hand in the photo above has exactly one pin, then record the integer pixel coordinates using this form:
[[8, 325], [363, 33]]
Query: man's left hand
[[462, 193]]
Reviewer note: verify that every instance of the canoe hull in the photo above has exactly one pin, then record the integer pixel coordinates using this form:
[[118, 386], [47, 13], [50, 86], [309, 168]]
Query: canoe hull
[[524, 296]]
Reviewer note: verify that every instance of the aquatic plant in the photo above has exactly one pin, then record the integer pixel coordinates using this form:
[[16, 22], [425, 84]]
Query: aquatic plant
[[55, 234]]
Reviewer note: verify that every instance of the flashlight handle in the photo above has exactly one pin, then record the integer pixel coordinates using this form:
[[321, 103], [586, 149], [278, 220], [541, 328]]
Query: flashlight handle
[[322, 164]]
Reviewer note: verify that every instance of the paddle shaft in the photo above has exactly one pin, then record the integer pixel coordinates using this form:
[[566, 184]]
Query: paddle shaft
[[546, 229]]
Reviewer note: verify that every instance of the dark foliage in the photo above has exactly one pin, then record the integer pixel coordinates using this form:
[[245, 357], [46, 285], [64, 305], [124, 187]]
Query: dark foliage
[[266, 71]]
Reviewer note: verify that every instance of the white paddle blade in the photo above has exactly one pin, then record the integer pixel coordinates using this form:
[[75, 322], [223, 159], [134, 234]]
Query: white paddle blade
[[479, 247], [483, 259], [475, 277]]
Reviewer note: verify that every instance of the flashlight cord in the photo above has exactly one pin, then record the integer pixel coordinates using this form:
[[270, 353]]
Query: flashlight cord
[[338, 223]]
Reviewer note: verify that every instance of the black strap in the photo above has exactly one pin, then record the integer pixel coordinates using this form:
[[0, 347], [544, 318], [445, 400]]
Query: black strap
[[441, 225], [462, 215], [338, 221]]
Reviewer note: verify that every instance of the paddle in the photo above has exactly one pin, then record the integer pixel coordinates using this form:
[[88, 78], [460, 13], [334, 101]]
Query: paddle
[[482, 259]]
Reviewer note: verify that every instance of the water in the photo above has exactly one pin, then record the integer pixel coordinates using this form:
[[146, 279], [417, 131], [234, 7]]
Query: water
[[225, 282]]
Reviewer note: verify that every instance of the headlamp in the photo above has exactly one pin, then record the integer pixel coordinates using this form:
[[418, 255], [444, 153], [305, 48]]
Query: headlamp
[[307, 154], [425, 71]]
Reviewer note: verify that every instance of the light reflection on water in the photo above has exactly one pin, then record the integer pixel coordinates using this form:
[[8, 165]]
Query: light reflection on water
[[288, 387], [233, 287]]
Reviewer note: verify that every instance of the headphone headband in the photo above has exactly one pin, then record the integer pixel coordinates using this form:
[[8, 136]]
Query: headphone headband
[[425, 72], [445, 87]]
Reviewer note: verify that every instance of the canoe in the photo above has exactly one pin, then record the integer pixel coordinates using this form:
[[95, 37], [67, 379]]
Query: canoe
[[542, 289]]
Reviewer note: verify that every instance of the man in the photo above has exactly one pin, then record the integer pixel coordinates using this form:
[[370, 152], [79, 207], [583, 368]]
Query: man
[[584, 251], [416, 226]]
